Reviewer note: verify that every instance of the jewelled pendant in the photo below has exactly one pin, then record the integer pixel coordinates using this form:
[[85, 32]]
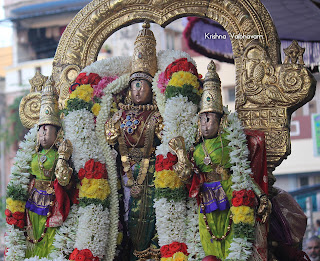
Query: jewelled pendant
[[207, 160], [50, 190], [135, 191], [43, 159]]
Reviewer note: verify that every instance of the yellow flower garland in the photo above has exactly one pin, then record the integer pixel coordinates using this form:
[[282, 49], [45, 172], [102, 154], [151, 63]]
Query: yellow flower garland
[[178, 256], [15, 205], [96, 109], [243, 214], [178, 79], [83, 92], [94, 188], [167, 179]]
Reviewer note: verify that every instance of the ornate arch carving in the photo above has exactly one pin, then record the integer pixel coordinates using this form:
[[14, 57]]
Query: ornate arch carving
[[255, 75]]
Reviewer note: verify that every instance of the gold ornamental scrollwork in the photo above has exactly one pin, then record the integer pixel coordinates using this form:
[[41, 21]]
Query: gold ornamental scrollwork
[[29, 109], [263, 84], [268, 94]]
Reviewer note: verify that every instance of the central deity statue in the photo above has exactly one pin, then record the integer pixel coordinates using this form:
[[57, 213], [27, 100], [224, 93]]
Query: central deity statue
[[135, 131]]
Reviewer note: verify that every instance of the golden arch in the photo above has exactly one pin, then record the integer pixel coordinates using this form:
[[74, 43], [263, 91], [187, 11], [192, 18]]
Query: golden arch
[[264, 97]]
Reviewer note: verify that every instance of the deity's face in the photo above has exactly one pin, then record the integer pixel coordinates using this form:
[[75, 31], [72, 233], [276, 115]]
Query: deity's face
[[141, 92], [209, 124], [47, 135]]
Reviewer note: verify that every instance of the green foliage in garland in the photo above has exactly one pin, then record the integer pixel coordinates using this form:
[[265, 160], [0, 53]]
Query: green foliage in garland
[[77, 104], [186, 90], [171, 194], [17, 192], [242, 230], [83, 202]]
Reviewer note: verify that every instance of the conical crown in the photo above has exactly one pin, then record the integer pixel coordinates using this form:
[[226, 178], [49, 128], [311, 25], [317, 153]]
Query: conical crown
[[211, 100], [144, 60], [49, 111]]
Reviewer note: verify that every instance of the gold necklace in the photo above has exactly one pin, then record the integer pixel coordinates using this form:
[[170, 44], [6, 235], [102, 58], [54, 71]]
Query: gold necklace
[[207, 159], [136, 185], [43, 157], [144, 107]]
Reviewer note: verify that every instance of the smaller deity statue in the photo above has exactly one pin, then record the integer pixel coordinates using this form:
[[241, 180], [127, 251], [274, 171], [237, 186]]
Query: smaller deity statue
[[48, 203], [211, 180]]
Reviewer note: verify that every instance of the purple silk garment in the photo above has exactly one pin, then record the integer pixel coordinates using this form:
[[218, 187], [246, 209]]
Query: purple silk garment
[[39, 202], [214, 197]]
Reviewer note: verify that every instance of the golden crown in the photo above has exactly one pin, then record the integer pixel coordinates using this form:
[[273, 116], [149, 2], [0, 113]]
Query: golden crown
[[211, 99], [49, 111], [144, 59]]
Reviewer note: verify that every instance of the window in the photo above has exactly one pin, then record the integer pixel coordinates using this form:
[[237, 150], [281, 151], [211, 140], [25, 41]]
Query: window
[[312, 107], [295, 128], [231, 94], [20, 77], [304, 181]]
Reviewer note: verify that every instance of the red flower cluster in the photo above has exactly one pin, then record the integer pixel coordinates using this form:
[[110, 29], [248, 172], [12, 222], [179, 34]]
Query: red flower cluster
[[181, 64], [165, 163], [92, 78], [170, 250], [17, 218], [93, 170], [83, 255], [243, 198]]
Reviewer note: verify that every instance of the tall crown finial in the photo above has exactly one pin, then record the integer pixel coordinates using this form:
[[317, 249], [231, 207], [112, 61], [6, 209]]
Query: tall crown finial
[[49, 111], [144, 59], [211, 99]]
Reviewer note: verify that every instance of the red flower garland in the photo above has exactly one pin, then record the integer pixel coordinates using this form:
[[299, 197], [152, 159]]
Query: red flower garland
[[83, 255], [165, 163], [93, 170], [92, 78], [181, 64], [243, 198], [170, 250], [16, 218]]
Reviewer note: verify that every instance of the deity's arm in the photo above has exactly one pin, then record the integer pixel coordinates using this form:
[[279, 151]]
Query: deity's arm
[[265, 206], [183, 167], [63, 171], [111, 128]]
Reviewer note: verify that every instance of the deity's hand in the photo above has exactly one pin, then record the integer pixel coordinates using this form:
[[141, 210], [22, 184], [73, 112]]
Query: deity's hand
[[183, 167], [63, 172], [111, 132], [264, 208]]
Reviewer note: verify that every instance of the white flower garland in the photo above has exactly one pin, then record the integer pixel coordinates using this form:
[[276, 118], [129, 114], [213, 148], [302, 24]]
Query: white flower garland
[[180, 119], [165, 57], [116, 86], [110, 67], [14, 239], [192, 232], [15, 242], [240, 248], [79, 129], [170, 221], [160, 97], [93, 229], [65, 236]]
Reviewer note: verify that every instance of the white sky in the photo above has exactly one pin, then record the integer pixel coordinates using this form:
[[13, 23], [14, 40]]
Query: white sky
[[5, 29]]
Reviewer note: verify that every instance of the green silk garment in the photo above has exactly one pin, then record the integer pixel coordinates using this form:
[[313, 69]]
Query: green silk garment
[[218, 220], [44, 247]]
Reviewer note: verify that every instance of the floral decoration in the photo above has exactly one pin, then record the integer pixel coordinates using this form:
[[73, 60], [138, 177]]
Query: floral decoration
[[181, 64], [174, 247], [243, 198], [91, 78], [83, 255]]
